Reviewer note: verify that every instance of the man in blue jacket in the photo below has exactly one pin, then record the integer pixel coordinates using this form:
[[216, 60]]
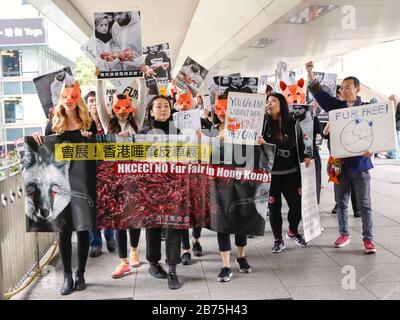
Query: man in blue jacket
[[355, 170]]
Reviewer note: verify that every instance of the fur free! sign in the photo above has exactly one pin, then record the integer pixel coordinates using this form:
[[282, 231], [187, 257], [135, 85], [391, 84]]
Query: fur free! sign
[[356, 130]]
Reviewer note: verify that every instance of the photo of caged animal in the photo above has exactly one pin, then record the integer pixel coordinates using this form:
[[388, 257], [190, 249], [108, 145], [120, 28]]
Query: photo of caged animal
[[47, 186]]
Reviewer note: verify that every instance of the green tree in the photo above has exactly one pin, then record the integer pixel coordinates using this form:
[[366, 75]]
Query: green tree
[[84, 74]]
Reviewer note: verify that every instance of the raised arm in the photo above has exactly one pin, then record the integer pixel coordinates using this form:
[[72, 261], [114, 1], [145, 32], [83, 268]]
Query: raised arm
[[324, 99], [141, 107], [104, 117]]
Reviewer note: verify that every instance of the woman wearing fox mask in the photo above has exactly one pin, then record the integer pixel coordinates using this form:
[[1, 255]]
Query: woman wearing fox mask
[[224, 239], [125, 119], [71, 115], [186, 102]]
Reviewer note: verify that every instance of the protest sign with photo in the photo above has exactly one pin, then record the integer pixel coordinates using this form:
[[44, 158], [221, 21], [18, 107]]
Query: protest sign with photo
[[303, 113], [282, 74], [118, 44], [59, 195], [191, 76], [162, 88], [223, 83], [244, 117], [187, 122], [262, 84], [214, 83], [89, 48], [309, 207], [322, 115], [48, 87], [292, 77], [237, 84], [311, 13], [152, 87], [356, 130], [328, 83], [207, 102], [158, 59], [213, 89]]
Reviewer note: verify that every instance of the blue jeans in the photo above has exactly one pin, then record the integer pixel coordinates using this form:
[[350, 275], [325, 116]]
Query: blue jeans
[[95, 237], [395, 154], [362, 191]]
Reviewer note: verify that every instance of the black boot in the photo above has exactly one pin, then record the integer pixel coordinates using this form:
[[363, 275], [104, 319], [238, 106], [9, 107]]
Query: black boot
[[79, 281], [68, 285]]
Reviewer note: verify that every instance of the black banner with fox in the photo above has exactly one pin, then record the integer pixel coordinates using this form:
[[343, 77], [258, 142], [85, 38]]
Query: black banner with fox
[[59, 195]]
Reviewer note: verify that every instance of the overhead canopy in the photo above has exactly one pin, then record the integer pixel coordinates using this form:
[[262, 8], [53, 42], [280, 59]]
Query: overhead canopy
[[247, 36]]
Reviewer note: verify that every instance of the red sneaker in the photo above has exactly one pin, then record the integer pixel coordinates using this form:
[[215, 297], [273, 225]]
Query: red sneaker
[[121, 270], [290, 235], [369, 247], [342, 241]]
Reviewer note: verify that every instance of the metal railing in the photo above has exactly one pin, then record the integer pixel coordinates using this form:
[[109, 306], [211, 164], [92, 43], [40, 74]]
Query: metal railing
[[20, 251]]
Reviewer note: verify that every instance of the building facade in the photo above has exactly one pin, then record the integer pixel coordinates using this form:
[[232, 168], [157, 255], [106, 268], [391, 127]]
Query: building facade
[[22, 58]]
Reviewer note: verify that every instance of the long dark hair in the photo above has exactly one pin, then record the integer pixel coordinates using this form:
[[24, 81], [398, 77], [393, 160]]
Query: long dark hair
[[278, 128], [114, 126], [150, 119]]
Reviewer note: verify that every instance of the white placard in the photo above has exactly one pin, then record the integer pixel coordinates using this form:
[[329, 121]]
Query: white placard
[[309, 207], [244, 117], [368, 127], [187, 121]]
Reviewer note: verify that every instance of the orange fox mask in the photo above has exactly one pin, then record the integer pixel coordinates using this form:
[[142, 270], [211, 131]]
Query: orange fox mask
[[185, 101], [71, 94], [122, 103], [294, 93], [221, 105]]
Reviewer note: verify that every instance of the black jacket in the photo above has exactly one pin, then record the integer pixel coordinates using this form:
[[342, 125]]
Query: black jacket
[[293, 142]]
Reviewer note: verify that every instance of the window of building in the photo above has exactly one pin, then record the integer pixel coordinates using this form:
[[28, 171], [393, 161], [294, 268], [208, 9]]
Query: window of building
[[14, 134], [28, 87], [12, 88], [11, 63], [30, 131], [13, 110], [30, 62]]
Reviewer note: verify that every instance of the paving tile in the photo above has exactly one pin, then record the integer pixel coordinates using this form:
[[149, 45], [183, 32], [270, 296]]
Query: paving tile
[[330, 293], [385, 290]]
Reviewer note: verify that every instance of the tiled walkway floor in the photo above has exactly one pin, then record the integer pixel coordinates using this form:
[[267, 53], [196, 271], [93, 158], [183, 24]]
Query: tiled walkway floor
[[314, 272]]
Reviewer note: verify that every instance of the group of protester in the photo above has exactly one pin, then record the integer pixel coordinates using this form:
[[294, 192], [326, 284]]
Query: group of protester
[[89, 116]]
